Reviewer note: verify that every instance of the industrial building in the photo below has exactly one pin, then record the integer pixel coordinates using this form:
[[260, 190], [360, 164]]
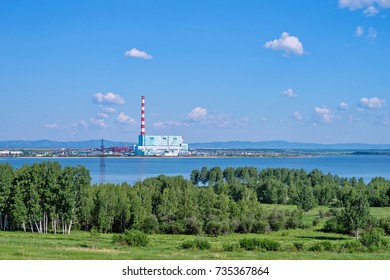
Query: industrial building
[[158, 145]]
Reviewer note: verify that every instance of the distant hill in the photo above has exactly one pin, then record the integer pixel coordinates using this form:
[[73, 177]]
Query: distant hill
[[47, 144], [285, 145], [282, 145]]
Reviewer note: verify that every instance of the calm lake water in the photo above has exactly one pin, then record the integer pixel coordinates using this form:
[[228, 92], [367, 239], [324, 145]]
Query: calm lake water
[[130, 170]]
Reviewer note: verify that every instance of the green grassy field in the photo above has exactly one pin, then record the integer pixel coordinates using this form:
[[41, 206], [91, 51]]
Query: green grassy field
[[81, 246]]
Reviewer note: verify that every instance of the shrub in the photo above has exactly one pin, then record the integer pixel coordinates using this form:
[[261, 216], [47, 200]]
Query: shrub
[[251, 244], [276, 220], [202, 244], [150, 225], [299, 246], [230, 247], [261, 226], [373, 239], [135, 238], [198, 243], [385, 225], [188, 244], [119, 239], [316, 221], [321, 246], [294, 220], [193, 226], [269, 245], [216, 228], [351, 246]]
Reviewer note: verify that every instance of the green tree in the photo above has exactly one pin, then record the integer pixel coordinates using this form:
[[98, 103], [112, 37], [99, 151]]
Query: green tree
[[6, 180], [356, 214]]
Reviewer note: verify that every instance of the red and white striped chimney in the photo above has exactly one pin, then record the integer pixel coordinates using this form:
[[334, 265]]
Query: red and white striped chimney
[[143, 130]]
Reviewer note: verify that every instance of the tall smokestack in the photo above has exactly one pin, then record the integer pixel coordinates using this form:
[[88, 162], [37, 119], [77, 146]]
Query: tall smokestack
[[143, 131]]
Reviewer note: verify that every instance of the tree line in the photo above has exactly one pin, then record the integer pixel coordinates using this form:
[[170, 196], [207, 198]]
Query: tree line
[[44, 197]]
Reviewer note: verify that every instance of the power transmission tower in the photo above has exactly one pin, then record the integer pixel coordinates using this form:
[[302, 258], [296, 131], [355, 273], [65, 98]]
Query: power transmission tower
[[102, 164]]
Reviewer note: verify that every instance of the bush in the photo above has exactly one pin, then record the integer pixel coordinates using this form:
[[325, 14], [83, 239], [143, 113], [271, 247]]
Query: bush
[[132, 238], [316, 221], [385, 225], [373, 239], [351, 246], [202, 244], [276, 220], [188, 244], [261, 226], [321, 246], [294, 220], [198, 243], [150, 225], [216, 228], [230, 247], [299, 246], [193, 226], [251, 244]]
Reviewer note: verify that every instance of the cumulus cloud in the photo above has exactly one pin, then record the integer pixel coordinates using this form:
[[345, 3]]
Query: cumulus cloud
[[372, 103], [52, 126], [297, 116], [81, 123], [323, 114], [359, 31], [343, 106], [124, 119], [288, 44], [138, 54], [98, 122], [371, 11], [371, 7], [107, 110], [167, 124], [289, 93], [108, 98], [370, 35], [103, 115], [197, 113]]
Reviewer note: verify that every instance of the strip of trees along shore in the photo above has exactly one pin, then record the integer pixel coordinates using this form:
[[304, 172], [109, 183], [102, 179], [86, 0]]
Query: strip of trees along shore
[[47, 198]]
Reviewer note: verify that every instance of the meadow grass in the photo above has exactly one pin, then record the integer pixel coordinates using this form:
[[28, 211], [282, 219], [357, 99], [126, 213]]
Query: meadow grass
[[295, 244]]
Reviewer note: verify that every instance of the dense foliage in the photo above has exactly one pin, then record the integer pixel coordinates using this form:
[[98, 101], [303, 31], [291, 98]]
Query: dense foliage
[[45, 197]]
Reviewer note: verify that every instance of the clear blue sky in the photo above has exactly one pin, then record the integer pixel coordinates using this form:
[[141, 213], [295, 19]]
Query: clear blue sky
[[302, 70]]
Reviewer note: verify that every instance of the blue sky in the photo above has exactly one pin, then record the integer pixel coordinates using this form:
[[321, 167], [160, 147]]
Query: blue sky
[[307, 71]]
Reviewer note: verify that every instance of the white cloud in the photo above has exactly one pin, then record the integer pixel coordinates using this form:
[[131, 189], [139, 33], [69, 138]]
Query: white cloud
[[343, 106], [371, 7], [372, 103], [98, 122], [52, 126], [359, 31], [124, 119], [81, 123], [288, 44], [289, 93], [138, 54], [108, 110], [323, 114], [108, 98], [103, 115], [371, 11], [371, 34], [163, 125], [297, 116], [197, 114]]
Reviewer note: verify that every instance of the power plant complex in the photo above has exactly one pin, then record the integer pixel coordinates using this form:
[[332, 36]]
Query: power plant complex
[[158, 145]]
